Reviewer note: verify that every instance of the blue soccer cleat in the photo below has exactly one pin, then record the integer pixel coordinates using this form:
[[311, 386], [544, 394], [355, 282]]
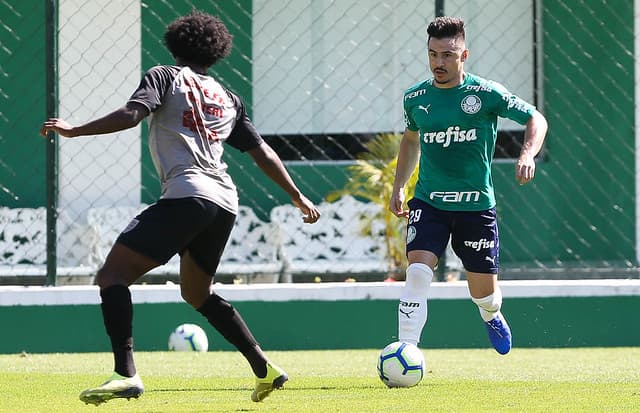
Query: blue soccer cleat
[[499, 333]]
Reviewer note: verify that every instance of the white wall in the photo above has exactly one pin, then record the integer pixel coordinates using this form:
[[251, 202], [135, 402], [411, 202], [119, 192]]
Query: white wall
[[99, 68], [323, 66], [636, 31]]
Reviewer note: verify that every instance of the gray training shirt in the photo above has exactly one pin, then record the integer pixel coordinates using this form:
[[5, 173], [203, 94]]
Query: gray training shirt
[[192, 115]]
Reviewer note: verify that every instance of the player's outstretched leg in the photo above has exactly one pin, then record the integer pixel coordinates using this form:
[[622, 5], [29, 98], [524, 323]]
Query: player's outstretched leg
[[499, 333], [275, 379], [224, 317], [116, 387]]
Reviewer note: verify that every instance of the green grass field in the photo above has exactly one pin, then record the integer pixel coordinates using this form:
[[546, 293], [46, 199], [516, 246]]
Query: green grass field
[[526, 380]]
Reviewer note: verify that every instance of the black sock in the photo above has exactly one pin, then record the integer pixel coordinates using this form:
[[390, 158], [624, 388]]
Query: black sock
[[224, 318], [117, 312]]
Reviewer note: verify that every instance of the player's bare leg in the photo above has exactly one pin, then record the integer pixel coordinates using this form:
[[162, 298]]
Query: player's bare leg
[[195, 287], [486, 294]]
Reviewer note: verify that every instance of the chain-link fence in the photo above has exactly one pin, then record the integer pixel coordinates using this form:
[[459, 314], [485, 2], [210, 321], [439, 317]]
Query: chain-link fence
[[322, 80]]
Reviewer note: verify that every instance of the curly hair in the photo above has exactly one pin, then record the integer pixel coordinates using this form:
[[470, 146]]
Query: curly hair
[[445, 26], [198, 38]]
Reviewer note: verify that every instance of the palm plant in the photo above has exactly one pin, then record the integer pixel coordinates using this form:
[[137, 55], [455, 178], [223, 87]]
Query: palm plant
[[372, 178]]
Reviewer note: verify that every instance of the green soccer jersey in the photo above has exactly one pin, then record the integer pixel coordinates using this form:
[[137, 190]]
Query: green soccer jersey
[[458, 128]]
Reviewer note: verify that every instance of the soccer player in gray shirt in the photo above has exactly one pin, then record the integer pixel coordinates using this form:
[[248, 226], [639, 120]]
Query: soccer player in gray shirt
[[191, 117]]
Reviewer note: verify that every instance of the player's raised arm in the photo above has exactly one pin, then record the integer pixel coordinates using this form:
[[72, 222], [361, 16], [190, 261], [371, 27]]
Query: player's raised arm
[[271, 164], [407, 160], [124, 118], [534, 135]]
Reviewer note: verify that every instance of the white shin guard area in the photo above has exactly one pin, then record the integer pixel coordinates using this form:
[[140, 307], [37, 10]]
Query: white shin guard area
[[412, 309], [490, 305]]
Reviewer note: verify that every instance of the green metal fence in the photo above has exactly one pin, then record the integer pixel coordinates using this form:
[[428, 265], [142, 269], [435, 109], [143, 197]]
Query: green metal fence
[[321, 78]]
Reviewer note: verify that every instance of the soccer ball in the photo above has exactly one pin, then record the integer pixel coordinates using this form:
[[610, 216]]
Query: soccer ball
[[188, 337], [401, 365]]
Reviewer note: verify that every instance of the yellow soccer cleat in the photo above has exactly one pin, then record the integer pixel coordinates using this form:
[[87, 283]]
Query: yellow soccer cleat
[[116, 387], [275, 379]]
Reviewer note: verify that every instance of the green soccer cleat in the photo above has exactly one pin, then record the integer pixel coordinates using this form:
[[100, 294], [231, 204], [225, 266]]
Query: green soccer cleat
[[116, 387], [275, 379]]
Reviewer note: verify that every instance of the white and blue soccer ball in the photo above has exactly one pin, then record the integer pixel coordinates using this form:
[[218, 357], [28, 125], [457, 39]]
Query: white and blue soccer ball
[[401, 365], [188, 337]]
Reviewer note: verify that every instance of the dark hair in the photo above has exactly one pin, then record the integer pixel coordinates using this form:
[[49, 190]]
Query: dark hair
[[445, 26], [198, 38]]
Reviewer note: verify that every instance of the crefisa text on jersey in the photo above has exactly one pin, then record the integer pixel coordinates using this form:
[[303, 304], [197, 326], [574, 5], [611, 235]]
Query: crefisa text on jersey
[[479, 88], [452, 134]]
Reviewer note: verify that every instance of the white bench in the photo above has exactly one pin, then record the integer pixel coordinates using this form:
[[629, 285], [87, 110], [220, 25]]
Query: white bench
[[250, 251], [348, 239], [23, 236], [83, 246], [23, 244]]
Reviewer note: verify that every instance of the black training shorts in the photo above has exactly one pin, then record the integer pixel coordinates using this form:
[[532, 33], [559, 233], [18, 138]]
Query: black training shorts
[[171, 226], [474, 234]]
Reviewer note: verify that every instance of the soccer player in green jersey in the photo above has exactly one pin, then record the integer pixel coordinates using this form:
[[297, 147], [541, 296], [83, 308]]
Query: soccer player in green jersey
[[451, 130]]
